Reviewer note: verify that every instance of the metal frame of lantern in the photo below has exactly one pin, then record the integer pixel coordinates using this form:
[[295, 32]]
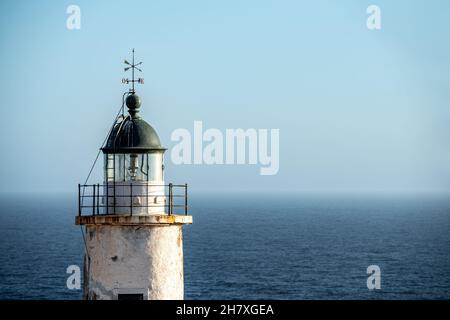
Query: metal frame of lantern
[[120, 188], [127, 166]]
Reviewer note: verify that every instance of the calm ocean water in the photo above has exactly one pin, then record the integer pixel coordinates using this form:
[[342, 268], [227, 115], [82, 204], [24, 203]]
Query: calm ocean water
[[253, 247]]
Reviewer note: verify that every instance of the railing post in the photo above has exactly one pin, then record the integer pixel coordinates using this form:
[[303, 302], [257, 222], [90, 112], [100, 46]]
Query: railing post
[[79, 199], [131, 198], [170, 199], [147, 209], [114, 183], [114, 196], [107, 196], [98, 198], [93, 200], [185, 200]]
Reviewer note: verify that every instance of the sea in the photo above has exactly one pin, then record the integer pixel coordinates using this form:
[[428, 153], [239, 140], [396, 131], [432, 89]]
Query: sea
[[253, 246]]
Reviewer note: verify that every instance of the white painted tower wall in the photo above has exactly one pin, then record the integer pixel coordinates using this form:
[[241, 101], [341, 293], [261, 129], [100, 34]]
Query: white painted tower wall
[[144, 260]]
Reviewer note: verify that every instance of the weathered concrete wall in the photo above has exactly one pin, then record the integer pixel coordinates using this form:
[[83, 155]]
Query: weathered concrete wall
[[144, 259]]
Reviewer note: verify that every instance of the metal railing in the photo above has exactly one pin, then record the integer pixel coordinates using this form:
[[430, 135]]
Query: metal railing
[[129, 199]]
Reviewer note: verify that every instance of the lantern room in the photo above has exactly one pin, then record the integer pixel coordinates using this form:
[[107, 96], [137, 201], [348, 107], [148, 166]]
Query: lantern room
[[134, 164]]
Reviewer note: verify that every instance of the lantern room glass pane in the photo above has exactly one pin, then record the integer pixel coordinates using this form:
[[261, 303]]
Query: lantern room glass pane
[[109, 167], [126, 167], [156, 166], [135, 168]]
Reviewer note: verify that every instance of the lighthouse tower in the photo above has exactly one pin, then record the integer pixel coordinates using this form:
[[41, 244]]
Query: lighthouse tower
[[133, 220]]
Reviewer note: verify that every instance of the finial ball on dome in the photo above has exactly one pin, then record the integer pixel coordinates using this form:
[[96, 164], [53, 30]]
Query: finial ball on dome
[[133, 101]]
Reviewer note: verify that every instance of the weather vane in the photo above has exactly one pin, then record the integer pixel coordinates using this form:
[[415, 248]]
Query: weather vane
[[132, 66]]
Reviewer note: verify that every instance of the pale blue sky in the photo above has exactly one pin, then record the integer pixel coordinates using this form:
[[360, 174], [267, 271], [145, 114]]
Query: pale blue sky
[[357, 109]]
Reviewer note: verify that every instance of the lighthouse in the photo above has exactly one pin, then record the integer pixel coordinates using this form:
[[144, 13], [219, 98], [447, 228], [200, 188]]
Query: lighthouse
[[133, 220]]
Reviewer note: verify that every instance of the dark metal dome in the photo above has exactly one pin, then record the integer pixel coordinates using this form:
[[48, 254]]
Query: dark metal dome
[[133, 134]]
